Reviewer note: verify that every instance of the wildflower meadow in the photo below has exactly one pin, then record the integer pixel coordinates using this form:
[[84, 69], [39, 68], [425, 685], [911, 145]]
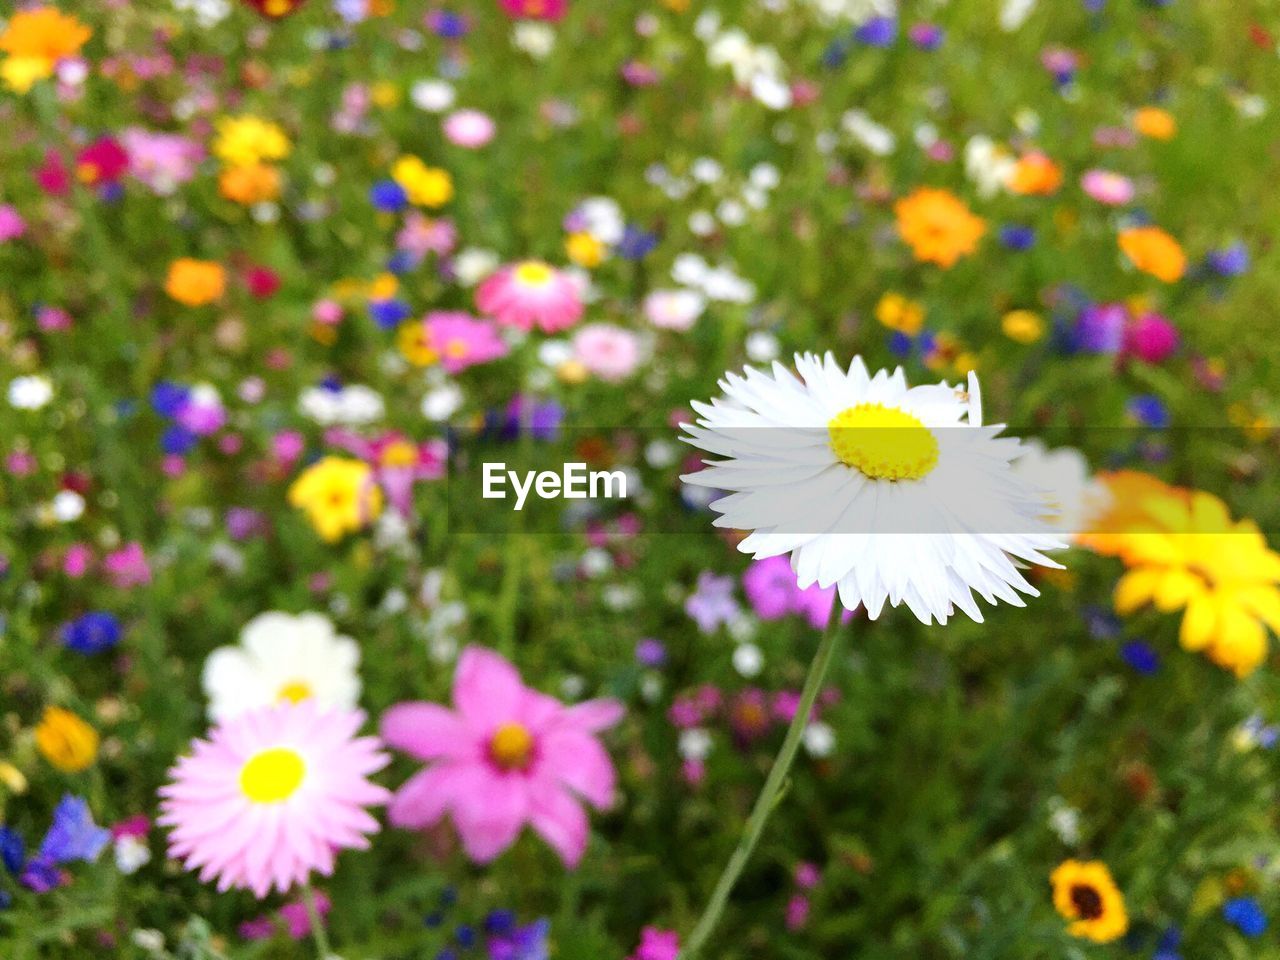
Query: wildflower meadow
[[639, 479]]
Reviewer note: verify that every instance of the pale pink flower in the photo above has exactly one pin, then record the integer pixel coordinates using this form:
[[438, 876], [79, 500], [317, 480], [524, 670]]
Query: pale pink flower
[[528, 293], [609, 352], [273, 795], [127, 567], [504, 757], [162, 161], [1113, 189], [461, 340], [674, 309], [471, 129]]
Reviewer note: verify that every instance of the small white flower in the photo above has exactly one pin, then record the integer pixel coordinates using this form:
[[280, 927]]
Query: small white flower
[[819, 740], [651, 687], [765, 176], [706, 170], [535, 39], [67, 506], [694, 744], [473, 264], [353, 405], [282, 657], [132, 854], [702, 223], [30, 393], [1014, 14], [731, 213], [442, 402], [878, 139], [433, 96], [748, 660], [762, 346], [595, 562]]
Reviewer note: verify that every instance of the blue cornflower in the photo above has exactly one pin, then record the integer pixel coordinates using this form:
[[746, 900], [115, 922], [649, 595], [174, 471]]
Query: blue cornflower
[[1148, 410], [1245, 914], [178, 441], [523, 943], [899, 344], [401, 262], [92, 632], [388, 196], [446, 24], [1230, 261], [836, 54], [877, 32], [1141, 656], [12, 850], [499, 922], [1167, 945], [389, 314], [1015, 236], [636, 244], [465, 935], [73, 835], [168, 398], [1101, 623]]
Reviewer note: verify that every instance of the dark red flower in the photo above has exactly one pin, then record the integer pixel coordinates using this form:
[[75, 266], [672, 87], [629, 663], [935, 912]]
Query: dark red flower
[[262, 282], [101, 162]]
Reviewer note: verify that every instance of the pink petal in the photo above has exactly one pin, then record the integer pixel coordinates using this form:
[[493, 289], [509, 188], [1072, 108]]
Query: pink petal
[[595, 715], [424, 798], [579, 762], [490, 814], [427, 731], [486, 689], [559, 820]]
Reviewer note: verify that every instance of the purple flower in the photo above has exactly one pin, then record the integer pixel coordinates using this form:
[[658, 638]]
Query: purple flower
[[1141, 657], [523, 943], [877, 32], [651, 653], [926, 36], [1229, 262], [1100, 328], [712, 604], [73, 835]]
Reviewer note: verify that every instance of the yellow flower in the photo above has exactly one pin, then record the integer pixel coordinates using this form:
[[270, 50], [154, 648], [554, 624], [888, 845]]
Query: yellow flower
[[1085, 893], [1184, 552], [1022, 326], [338, 495], [898, 313], [1153, 251], [247, 140], [585, 250], [425, 186], [938, 226], [414, 344], [13, 779], [35, 40], [384, 287], [65, 740], [1155, 123], [384, 94], [195, 282]]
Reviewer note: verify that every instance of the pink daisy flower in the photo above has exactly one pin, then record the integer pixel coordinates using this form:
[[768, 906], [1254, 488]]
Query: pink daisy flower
[[461, 340], [609, 352], [506, 756], [1113, 189], [528, 293], [272, 795], [470, 129]]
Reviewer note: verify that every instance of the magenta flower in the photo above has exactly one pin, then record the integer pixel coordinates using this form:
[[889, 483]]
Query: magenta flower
[[398, 463], [1151, 338], [504, 757], [12, 225], [536, 9], [1113, 189], [531, 293], [461, 340], [657, 944]]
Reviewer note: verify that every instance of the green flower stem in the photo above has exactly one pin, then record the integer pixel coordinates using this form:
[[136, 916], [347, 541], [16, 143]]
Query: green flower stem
[[318, 932], [774, 787]]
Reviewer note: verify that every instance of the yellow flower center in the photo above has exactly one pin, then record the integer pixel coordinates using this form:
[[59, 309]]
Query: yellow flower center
[[272, 775], [295, 691], [533, 273], [399, 453], [883, 442], [511, 746], [276, 8]]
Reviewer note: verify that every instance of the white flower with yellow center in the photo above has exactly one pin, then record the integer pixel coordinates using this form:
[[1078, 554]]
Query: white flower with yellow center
[[893, 493], [283, 658]]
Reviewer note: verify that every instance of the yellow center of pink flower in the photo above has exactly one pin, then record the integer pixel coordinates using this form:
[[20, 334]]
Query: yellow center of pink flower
[[534, 273], [272, 775], [511, 746], [295, 691], [399, 453], [883, 442]]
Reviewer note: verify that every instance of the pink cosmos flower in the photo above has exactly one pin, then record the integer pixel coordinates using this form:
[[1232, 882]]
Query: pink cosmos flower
[[528, 293], [294, 917], [162, 161], [461, 340], [272, 795], [536, 9], [127, 567], [12, 225], [504, 757], [397, 462], [471, 129], [657, 944], [421, 235], [1113, 189], [610, 352]]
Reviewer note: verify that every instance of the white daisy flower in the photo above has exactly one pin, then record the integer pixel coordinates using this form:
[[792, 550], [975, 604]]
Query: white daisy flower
[[282, 657], [893, 493]]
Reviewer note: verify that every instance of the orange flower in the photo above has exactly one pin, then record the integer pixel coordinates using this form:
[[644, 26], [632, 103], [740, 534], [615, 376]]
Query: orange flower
[[1155, 123], [1035, 174], [1153, 251], [43, 34], [938, 226], [247, 185], [195, 282]]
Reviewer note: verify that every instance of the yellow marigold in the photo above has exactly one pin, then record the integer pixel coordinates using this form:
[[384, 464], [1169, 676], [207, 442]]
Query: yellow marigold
[[1155, 123], [250, 184], [898, 313], [1022, 326], [426, 186], [938, 226], [585, 250], [65, 740], [414, 344], [1035, 174], [1085, 894], [1187, 553], [338, 496], [195, 282], [1153, 251], [247, 140], [35, 40]]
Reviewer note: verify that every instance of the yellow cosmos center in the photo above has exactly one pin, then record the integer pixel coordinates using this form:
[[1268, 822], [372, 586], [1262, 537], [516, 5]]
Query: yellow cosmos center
[[272, 775], [511, 746], [883, 442], [295, 691], [533, 273], [399, 453]]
